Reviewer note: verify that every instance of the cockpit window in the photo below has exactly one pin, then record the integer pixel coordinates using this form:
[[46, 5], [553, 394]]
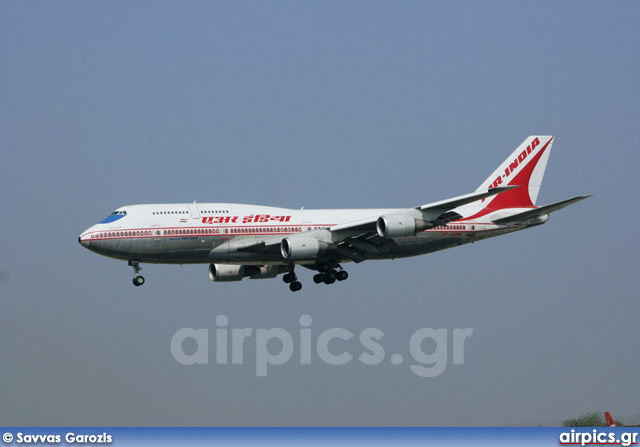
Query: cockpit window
[[116, 215]]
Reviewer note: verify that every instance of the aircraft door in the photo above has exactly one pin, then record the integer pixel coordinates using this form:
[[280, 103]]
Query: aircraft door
[[193, 209], [156, 232], [224, 232]]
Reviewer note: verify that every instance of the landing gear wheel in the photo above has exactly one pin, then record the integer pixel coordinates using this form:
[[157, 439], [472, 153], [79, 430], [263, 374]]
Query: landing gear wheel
[[138, 280], [289, 277], [318, 278], [328, 280], [342, 275], [323, 267]]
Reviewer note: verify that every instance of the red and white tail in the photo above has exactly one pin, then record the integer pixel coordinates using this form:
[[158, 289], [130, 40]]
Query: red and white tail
[[610, 421], [525, 168]]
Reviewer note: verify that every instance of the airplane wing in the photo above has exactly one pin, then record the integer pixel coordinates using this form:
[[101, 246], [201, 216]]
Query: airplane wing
[[366, 242], [538, 212], [356, 225], [432, 210], [255, 245], [364, 246], [359, 240], [251, 245]]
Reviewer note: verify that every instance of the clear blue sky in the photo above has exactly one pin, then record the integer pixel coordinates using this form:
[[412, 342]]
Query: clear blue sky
[[317, 104]]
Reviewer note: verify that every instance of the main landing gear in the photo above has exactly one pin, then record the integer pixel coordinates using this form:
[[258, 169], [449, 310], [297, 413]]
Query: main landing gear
[[291, 279], [329, 273], [138, 279]]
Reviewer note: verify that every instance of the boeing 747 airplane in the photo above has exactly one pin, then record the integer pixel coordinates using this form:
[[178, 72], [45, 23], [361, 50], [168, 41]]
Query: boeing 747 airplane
[[257, 242]]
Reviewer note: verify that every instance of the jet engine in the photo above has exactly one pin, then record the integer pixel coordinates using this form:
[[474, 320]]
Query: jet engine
[[397, 225], [230, 272], [302, 247]]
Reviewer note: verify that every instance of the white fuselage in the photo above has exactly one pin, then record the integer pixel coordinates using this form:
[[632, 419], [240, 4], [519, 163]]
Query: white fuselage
[[212, 232], [239, 241]]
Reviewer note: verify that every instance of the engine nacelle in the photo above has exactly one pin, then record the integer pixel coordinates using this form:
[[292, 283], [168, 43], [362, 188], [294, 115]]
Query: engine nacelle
[[398, 225], [299, 248], [226, 272], [230, 272]]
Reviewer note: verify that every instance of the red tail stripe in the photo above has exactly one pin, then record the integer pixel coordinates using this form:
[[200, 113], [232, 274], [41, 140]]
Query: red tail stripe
[[519, 197]]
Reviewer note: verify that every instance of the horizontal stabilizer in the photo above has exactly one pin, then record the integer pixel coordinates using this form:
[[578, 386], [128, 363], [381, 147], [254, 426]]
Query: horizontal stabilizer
[[538, 212], [434, 212], [449, 204]]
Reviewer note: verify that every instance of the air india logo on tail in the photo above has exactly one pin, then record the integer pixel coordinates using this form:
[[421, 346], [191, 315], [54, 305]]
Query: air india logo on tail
[[522, 156]]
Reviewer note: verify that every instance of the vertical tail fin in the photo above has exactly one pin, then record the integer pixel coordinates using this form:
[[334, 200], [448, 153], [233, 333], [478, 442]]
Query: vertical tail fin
[[610, 421], [525, 168]]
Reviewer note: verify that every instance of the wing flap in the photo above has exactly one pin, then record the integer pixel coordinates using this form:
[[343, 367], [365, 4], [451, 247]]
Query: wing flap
[[364, 246]]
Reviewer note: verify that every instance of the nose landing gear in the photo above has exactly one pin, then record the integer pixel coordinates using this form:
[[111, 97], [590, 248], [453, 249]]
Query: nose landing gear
[[138, 279]]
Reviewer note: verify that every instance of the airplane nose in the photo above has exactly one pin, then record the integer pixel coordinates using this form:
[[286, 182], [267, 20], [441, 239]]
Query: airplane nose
[[83, 242]]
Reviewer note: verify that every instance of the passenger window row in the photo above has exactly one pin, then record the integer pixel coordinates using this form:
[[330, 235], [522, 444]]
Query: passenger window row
[[449, 227], [155, 213]]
